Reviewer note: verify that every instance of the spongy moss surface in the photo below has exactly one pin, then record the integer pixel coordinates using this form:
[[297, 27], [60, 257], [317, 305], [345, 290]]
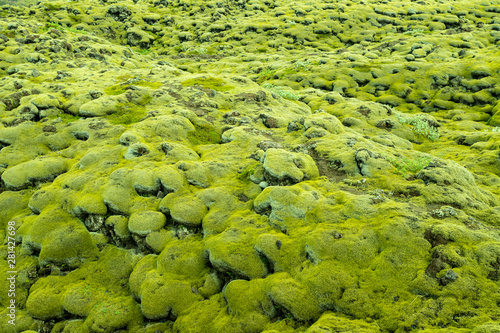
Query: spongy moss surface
[[250, 166]]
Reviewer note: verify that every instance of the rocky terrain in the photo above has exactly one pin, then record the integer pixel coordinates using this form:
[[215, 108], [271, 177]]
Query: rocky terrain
[[251, 166]]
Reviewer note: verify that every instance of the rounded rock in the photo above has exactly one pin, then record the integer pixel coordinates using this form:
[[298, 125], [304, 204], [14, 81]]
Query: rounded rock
[[145, 222]]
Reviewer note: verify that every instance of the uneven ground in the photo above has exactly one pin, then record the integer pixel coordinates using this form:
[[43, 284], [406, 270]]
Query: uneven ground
[[251, 166]]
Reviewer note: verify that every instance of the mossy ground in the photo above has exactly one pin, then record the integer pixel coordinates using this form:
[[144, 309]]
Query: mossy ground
[[369, 222], [121, 88], [209, 83], [131, 112], [203, 135]]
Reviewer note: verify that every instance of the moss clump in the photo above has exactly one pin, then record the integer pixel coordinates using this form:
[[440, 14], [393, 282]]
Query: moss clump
[[144, 51], [265, 75], [10, 34], [128, 113], [420, 125], [58, 26], [244, 175], [65, 117], [213, 83], [52, 7], [119, 89], [124, 77], [37, 80], [288, 94], [404, 165], [153, 85], [363, 69], [203, 135]]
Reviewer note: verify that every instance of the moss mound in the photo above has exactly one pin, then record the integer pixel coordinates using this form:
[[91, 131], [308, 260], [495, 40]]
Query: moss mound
[[250, 166]]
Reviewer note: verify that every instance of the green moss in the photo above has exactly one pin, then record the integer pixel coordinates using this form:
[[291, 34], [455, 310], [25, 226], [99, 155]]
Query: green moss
[[119, 89], [364, 69], [203, 135], [50, 6], [265, 75], [289, 71], [154, 85], [420, 125], [414, 164], [65, 117], [124, 77], [37, 79], [58, 26], [213, 83], [244, 175], [200, 50], [128, 113], [143, 52], [10, 34], [288, 94]]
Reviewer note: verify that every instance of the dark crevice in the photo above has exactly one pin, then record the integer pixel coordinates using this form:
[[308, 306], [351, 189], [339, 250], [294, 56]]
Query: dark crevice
[[494, 275], [267, 262], [435, 239]]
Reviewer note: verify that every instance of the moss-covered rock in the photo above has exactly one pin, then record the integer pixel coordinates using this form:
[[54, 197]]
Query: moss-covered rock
[[145, 222], [102, 106], [58, 237], [27, 174], [327, 166], [184, 209], [281, 166]]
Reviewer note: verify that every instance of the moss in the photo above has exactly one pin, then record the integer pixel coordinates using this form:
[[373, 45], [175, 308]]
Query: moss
[[129, 113], [50, 6], [282, 91], [209, 83], [203, 135], [116, 89], [68, 117], [420, 125], [153, 85], [119, 89], [65, 117], [124, 77], [265, 75], [244, 175], [58, 26], [38, 79], [414, 164], [184, 209], [143, 52], [364, 69], [8, 33]]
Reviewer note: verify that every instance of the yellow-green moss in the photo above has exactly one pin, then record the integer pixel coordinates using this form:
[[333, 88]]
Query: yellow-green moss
[[203, 135], [154, 85], [128, 113], [119, 89], [124, 77], [50, 6], [244, 175], [213, 83], [414, 164], [65, 117], [364, 69], [143, 52], [265, 75], [10, 34]]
